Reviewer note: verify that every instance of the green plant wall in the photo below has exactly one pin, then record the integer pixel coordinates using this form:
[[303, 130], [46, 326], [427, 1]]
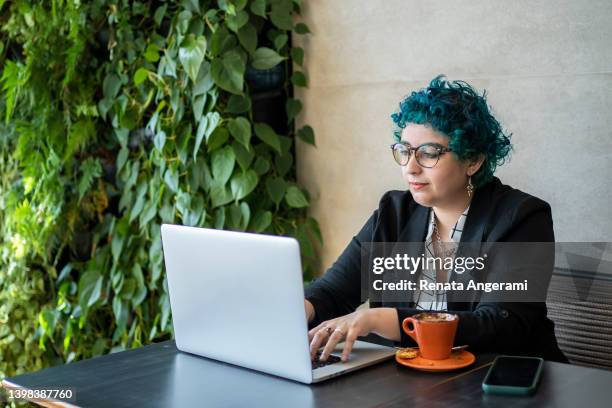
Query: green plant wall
[[118, 116]]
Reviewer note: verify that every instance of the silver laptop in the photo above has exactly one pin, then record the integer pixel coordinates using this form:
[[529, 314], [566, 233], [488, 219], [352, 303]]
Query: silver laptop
[[239, 298]]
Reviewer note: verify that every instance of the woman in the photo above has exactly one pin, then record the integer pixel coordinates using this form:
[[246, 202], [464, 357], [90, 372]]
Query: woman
[[448, 145]]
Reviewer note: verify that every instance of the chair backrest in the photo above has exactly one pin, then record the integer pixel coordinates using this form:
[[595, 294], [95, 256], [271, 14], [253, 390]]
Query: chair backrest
[[580, 305]]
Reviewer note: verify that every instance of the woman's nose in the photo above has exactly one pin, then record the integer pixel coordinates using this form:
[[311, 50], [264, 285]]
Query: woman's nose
[[412, 167]]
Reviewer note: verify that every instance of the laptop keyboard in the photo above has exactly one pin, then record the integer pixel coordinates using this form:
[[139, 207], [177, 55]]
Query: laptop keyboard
[[331, 359]]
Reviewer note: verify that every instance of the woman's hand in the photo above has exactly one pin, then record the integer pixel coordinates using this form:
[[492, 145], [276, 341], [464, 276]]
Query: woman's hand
[[347, 328]]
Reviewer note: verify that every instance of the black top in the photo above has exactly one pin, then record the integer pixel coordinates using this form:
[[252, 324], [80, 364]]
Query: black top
[[498, 213]]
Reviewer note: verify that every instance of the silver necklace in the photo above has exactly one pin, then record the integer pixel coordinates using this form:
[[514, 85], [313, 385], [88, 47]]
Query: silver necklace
[[441, 245]]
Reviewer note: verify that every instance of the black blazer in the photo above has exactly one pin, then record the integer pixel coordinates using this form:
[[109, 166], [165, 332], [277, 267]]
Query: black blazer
[[498, 213]]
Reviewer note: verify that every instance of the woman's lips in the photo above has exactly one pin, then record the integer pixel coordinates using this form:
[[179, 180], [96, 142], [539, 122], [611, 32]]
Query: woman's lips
[[417, 186]]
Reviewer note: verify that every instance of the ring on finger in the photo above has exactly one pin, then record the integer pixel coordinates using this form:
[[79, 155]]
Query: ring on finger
[[328, 329]]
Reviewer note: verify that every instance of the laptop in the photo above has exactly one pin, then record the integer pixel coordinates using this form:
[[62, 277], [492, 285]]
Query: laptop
[[239, 298]]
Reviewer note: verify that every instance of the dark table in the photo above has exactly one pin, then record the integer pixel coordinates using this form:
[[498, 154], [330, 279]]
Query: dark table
[[160, 375]]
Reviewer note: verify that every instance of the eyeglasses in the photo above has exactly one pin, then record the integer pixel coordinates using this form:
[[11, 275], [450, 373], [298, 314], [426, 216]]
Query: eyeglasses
[[427, 154]]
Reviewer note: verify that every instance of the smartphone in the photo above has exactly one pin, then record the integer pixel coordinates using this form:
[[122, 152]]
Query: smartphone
[[513, 375]]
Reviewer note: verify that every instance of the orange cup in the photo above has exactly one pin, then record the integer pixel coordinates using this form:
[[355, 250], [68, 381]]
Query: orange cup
[[434, 333]]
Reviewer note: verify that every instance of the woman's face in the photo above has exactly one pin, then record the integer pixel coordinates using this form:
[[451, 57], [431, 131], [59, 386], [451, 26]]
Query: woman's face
[[443, 185]]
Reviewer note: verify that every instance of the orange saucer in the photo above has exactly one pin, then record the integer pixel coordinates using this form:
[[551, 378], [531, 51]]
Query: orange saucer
[[458, 359]]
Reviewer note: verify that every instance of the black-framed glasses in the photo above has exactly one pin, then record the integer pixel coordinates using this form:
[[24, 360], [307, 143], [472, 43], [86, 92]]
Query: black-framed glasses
[[427, 155]]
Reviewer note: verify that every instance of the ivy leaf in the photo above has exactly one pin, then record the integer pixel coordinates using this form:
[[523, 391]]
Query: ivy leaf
[[121, 158], [120, 310], [240, 129], [295, 198], [159, 140], [183, 202], [122, 136], [197, 212], [228, 72], [182, 143], [245, 212], [307, 135], [261, 166], [167, 66], [116, 246], [286, 143], [48, 320], [276, 187], [305, 243], [111, 86], [159, 14], [223, 161], [140, 201], [239, 4], [297, 55], [281, 15], [226, 6], [301, 28], [140, 76], [243, 183], [90, 288], [127, 290], [243, 156], [191, 54], [148, 213], [268, 136], [234, 216], [283, 163], [171, 177], [220, 195], [198, 106], [261, 221], [238, 104], [265, 58], [293, 108], [236, 22], [204, 81], [207, 125], [165, 313], [104, 106], [221, 41], [220, 218], [247, 36], [141, 289], [152, 53], [298, 79], [258, 7], [280, 41], [217, 138], [192, 5]]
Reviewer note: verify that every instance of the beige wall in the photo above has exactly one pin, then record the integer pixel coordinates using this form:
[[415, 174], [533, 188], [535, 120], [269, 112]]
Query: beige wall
[[546, 65]]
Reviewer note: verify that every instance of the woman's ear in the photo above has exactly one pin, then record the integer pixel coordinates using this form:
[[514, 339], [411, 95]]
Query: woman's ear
[[475, 164]]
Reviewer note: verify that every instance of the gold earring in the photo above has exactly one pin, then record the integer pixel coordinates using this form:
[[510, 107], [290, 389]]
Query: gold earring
[[470, 187]]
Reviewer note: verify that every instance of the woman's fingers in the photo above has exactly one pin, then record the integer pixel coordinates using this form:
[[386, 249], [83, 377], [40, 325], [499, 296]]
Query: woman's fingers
[[336, 336], [332, 332], [312, 332], [351, 337], [317, 341], [315, 330]]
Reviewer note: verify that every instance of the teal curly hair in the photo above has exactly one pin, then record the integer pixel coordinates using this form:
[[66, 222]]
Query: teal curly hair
[[456, 110]]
